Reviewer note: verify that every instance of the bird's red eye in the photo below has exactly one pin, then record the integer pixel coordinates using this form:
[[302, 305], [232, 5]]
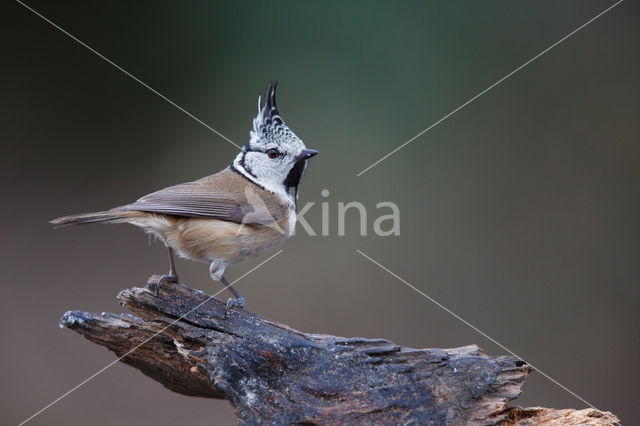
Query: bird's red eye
[[273, 153]]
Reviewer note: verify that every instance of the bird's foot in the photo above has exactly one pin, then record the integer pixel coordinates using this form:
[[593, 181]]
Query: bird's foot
[[235, 302], [169, 278]]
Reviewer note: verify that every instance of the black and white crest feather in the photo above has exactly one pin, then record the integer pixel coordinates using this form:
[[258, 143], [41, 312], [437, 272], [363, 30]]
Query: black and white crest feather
[[268, 126], [269, 133]]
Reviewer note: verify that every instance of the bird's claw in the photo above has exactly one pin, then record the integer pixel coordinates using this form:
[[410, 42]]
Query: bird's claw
[[240, 302], [163, 279]]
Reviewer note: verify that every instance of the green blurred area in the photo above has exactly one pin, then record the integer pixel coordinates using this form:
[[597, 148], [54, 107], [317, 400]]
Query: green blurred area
[[520, 212]]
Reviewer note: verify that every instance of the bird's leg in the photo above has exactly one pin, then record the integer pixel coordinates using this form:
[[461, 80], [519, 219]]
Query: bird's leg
[[236, 300], [171, 277], [172, 266]]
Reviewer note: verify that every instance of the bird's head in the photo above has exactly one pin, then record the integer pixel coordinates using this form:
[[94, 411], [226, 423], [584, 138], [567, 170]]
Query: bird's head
[[274, 158]]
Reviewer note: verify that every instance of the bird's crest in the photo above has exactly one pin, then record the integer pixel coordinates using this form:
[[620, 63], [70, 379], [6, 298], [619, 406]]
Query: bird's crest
[[268, 126]]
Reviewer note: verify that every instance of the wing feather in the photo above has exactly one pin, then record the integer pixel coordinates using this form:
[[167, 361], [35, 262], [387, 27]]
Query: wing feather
[[206, 198]]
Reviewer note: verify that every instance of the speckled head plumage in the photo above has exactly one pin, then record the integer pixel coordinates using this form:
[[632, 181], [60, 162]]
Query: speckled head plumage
[[268, 126], [274, 158]]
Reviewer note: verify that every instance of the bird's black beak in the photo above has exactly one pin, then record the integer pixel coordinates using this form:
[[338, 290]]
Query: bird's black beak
[[306, 154]]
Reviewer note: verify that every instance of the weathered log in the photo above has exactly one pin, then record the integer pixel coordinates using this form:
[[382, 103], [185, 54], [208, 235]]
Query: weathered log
[[273, 373], [547, 416]]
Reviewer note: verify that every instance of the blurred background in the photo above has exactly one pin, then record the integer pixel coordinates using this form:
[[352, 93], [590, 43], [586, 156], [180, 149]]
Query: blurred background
[[520, 213]]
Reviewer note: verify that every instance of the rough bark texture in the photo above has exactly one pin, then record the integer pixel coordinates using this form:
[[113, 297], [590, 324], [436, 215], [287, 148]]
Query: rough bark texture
[[547, 416], [273, 373]]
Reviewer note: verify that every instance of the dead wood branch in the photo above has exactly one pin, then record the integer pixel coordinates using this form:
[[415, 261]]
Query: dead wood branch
[[273, 373]]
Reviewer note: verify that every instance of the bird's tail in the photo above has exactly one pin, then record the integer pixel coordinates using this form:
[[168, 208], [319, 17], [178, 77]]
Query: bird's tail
[[109, 216]]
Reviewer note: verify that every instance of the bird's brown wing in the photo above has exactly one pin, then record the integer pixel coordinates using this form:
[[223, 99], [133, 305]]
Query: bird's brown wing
[[224, 196]]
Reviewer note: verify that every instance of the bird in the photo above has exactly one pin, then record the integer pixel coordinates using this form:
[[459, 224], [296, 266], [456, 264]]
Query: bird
[[242, 212]]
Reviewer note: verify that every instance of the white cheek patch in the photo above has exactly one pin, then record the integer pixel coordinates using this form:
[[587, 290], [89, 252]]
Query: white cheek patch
[[262, 172]]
